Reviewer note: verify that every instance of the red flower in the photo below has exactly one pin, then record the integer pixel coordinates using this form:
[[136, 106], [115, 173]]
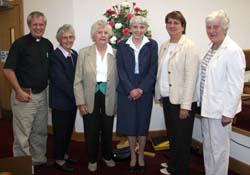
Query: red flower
[[111, 23], [129, 15], [137, 9], [126, 31], [110, 11], [119, 16]]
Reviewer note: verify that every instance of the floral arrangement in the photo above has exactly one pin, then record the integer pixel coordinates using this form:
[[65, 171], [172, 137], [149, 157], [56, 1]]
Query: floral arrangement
[[118, 18]]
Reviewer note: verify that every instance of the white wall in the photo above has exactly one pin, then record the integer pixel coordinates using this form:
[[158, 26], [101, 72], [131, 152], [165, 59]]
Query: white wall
[[58, 12], [82, 13]]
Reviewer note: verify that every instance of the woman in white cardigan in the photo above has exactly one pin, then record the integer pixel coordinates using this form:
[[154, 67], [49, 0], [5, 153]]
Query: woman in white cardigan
[[221, 86]]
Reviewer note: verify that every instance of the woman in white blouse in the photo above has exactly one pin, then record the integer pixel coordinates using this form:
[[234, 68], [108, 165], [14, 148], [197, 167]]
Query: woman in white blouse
[[175, 88], [95, 93]]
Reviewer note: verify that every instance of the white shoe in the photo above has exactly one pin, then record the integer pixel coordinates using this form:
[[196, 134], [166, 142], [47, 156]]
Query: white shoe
[[165, 171], [92, 167], [164, 164], [109, 163]]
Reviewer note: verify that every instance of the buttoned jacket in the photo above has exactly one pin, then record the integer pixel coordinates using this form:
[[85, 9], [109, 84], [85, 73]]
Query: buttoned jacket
[[148, 58], [85, 80], [61, 80]]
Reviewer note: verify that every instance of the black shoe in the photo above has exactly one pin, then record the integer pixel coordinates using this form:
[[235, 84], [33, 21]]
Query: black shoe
[[72, 160], [132, 169], [45, 164], [64, 167], [142, 169]]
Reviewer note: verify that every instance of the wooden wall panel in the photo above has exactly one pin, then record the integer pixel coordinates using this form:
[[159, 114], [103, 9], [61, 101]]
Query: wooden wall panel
[[11, 21]]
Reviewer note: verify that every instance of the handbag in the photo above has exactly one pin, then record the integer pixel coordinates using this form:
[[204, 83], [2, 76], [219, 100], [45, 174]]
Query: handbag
[[122, 154]]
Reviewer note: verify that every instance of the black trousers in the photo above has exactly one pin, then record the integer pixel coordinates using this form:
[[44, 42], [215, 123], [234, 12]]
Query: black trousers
[[63, 124], [180, 137], [98, 128]]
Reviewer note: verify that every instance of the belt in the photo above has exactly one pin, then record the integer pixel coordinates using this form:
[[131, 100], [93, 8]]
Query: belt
[[37, 91]]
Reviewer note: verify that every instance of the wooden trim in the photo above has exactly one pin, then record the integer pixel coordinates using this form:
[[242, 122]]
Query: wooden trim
[[21, 15], [235, 129], [79, 136], [241, 131], [197, 146], [76, 136], [247, 56], [6, 114], [238, 166]]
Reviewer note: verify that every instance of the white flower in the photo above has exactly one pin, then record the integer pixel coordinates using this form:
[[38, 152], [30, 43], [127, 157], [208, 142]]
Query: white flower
[[125, 4], [118, 25], [113, 40]]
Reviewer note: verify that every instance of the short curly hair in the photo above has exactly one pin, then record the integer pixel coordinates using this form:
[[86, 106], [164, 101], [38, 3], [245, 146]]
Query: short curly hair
[[100, 24], [219, 14]]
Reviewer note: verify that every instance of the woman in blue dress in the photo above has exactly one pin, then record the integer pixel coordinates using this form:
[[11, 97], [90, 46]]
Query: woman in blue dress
[[137, 67]]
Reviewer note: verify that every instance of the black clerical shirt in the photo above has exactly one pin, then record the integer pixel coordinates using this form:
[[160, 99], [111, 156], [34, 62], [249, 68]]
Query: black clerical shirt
[[28, 57]]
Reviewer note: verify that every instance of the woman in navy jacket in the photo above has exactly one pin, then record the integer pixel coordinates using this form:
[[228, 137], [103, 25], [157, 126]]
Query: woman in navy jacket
[[137, 68], [61, 96]]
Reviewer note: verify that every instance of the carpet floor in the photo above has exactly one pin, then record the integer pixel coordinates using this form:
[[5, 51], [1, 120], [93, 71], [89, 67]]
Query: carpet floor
[[77, 149]]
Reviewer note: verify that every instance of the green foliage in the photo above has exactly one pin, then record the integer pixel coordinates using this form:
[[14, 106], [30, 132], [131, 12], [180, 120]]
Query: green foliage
[[118, 17]]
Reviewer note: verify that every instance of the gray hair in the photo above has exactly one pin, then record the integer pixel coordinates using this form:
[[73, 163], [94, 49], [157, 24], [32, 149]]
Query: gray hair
[[219, 14], [36, 14], [100, 24], [63, 29], [138, 20]]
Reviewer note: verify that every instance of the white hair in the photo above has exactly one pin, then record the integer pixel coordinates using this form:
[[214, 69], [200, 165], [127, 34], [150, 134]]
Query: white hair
[[138, 20], [219, 14], [63, 29], [100, 24]]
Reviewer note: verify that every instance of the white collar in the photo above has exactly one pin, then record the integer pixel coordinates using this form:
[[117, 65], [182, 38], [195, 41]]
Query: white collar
[[65, 52], [109, 49], [132, 45]]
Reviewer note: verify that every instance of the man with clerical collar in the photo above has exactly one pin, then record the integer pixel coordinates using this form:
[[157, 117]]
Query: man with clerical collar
[[27, 70]]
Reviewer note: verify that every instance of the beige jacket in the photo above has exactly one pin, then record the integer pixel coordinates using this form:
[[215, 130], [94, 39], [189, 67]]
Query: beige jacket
[[85, 80], [183, 71]]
